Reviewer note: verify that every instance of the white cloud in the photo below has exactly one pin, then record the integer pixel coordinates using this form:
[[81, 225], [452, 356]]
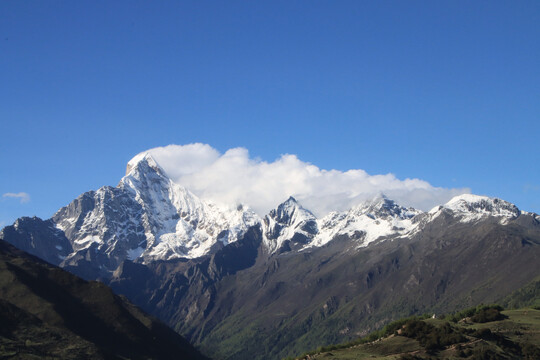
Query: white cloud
[[22, 196], [234, 177]]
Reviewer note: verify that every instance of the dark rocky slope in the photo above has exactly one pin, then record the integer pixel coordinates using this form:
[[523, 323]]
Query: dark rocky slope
[[241, 303], [47, 312]]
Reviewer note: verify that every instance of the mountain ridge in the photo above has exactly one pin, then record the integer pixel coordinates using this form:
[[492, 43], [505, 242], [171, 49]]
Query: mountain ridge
[[148, 217]]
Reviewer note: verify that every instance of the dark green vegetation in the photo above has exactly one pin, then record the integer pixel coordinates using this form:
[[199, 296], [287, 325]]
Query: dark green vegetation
[[515, 334], [528, 296], [47, 313], [479, 314]]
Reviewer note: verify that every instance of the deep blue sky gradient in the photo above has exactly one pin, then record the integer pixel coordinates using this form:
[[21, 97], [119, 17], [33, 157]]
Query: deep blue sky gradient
[[448, 92]]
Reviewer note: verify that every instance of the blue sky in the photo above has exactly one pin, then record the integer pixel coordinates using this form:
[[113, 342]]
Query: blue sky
[[447, 92]]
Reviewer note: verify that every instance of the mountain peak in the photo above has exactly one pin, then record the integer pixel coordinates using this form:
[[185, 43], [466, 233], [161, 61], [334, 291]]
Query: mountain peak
[[383, 207], [477, 205], [143, 173], [288, 210], [381, 201], [468, 198], [291, 199], [289, 226], [141, 161]]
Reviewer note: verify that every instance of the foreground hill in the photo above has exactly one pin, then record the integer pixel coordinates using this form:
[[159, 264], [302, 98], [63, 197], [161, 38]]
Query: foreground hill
[[483, 334], [46, 312]]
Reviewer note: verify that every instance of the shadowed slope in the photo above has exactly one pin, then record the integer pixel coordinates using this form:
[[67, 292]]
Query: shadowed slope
[[289, 302], [47, 312]]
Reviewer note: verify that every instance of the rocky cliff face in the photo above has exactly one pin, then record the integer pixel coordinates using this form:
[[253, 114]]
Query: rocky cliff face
[[289, 227]]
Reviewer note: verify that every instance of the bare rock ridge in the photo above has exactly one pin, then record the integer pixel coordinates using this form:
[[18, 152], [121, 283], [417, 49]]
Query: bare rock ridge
[[289, 226]]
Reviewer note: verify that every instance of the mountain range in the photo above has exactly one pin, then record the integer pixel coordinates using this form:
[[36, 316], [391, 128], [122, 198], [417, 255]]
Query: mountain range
[[242, 286]]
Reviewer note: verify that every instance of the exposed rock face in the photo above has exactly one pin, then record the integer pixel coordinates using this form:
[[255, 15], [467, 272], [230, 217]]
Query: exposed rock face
[[40, 238], [289, 227]]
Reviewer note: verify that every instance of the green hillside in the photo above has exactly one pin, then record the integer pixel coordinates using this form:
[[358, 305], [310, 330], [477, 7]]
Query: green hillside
[[477, 333]]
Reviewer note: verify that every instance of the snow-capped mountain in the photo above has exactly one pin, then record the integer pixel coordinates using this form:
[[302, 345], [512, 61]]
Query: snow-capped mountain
[[149, 217], [471, 208], [204, 267], [176, 222], [367, 222], [289, 225]]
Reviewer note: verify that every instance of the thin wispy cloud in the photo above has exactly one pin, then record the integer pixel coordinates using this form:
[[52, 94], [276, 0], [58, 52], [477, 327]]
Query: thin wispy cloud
[[234, 177], [22, 196]]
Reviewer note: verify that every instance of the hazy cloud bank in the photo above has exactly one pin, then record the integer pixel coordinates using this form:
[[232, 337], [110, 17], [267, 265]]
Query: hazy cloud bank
[[22, 196], [234, 177]]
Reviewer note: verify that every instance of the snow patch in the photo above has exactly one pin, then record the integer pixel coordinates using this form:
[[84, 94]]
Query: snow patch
[[88, 240], [367, 222], [133, 254]]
